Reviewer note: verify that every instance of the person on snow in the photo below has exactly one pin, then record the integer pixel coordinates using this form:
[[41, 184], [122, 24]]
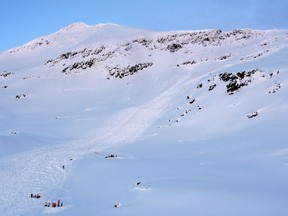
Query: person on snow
[[60, 204]]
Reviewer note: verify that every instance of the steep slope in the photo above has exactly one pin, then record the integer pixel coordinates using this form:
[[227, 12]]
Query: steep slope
[[199, 116]]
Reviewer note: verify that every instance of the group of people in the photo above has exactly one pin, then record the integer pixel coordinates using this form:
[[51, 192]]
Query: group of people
[[48, 204], [37, 196], [53, 204]]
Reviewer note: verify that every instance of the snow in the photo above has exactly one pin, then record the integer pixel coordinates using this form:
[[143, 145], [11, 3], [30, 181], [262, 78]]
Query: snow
[[204, 157]]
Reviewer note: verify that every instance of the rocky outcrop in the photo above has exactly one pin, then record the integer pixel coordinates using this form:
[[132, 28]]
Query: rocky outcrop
[[129, 70]]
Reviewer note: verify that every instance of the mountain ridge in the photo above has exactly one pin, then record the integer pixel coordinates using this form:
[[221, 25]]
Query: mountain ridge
[[81, 26]]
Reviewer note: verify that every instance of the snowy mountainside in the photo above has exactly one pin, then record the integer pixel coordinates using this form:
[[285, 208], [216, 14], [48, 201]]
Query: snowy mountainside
[[197, 117]]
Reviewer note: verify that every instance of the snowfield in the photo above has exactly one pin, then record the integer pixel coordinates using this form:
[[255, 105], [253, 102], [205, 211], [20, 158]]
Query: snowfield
[[120, 121]]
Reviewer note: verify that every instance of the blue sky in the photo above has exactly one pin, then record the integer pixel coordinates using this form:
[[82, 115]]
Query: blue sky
[[25, 20]]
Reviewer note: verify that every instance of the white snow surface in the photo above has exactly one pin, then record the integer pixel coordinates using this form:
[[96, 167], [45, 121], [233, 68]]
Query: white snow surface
[[119, 121]]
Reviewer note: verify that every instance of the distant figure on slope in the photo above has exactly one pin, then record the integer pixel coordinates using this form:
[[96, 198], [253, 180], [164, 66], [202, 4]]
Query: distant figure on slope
[[37, 196], [117, 205], [59, 203]]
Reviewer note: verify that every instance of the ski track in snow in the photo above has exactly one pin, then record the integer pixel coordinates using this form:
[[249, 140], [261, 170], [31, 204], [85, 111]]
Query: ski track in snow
[[40, 170]]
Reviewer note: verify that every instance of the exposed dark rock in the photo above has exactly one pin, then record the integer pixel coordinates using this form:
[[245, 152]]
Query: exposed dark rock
[[138, 183], [212, 87], [111, 156], [225, 57], [191, 102], [227, 77], [200, 85], [189, 62], [5, 74], [20, 96], [276, 86], [252, 115], [237, 81], [143, 41], [71, 55], [79, 65], [129, 70], [234, 86], [241, 75], [174, 47]]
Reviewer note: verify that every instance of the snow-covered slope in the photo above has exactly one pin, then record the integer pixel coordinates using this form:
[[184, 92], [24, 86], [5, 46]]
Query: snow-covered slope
[[161, 123]]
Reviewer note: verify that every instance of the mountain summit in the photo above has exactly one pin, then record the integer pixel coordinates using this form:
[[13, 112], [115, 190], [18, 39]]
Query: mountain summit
[[78, 26], [114, 120], [78, 33]]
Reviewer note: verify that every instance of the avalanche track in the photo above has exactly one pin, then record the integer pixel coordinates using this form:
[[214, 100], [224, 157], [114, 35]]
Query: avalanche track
[[41, 170]]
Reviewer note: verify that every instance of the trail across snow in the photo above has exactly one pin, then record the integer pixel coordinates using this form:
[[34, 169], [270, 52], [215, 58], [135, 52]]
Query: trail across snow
[[41, 170]]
